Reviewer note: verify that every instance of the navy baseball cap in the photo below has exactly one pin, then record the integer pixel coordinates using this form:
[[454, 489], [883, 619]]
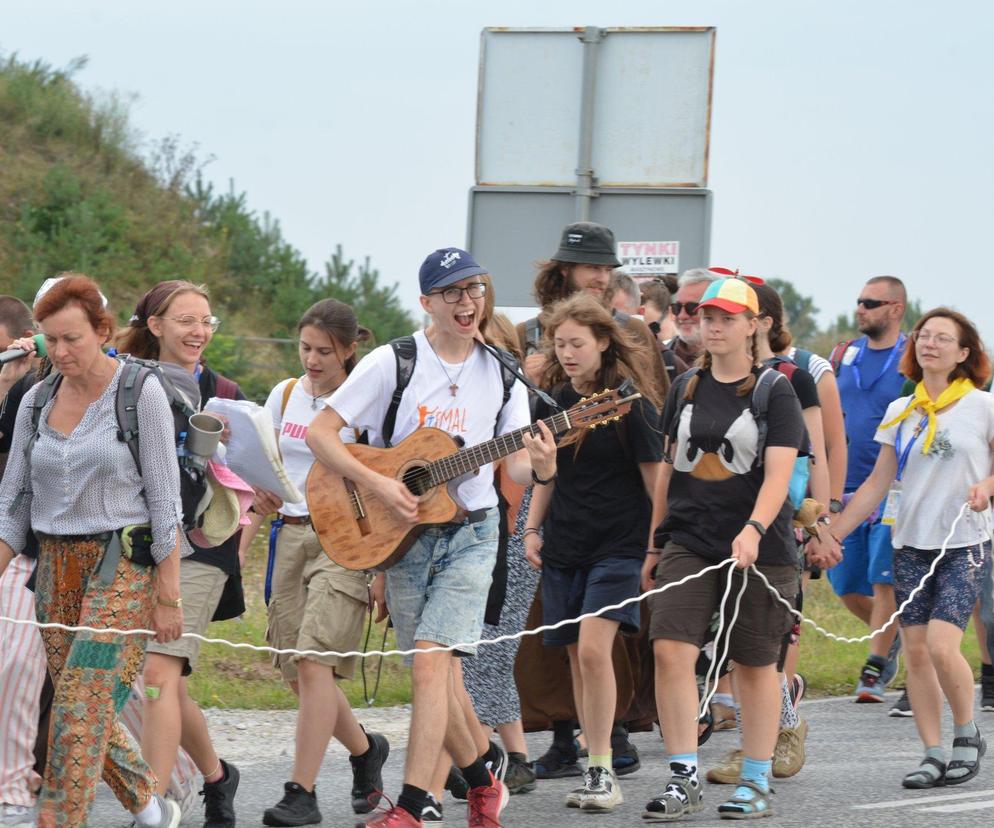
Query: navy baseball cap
[[447, 266]]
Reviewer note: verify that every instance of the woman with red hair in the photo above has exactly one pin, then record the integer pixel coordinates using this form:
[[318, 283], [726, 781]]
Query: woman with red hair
[[107, 541]]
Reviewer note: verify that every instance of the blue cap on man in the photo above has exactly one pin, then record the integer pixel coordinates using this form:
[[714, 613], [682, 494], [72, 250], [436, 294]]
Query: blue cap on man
[[447, 266]]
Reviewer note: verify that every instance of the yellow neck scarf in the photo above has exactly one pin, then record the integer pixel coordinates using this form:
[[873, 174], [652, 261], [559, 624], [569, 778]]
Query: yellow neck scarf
[[956, 391]]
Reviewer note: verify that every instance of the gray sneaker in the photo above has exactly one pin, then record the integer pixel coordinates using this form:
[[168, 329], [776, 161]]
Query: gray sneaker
[[681, 797], [600, 790]]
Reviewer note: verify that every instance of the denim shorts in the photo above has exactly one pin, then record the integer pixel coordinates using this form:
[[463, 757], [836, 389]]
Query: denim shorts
[[438, 591], [867, 559], [950, 594], [569, 593]]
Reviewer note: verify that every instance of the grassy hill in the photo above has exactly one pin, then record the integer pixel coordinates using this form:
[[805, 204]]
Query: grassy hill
[[79, 191]]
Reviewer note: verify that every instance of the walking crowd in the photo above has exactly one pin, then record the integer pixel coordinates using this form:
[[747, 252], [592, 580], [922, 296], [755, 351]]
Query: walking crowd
[[742, 452]]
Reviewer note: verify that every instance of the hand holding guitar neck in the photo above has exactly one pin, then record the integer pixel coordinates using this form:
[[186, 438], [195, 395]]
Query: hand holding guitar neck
[[541, 451]]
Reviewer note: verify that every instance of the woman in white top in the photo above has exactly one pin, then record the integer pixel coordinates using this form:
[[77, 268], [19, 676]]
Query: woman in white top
[[936, 452], [316, 604]]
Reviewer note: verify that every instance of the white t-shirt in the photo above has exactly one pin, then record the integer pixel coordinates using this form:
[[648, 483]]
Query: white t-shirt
[[934, 486], [363, 399], [292, 427], [817, 365]]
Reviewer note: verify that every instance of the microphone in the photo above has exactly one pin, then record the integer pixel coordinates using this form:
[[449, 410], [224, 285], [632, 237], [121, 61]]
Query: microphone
[[18, 353]]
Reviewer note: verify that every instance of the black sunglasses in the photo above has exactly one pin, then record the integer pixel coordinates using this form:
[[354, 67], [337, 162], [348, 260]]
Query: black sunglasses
[[689, 307], [873, 304]]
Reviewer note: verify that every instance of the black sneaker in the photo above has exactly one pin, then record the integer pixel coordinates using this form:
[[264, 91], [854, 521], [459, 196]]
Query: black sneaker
[[367, 774], [219, 799], [456, 784], [987, 694], [431, 814], [902, 708], [498, 766], [297, 807], [559, 761], [520, 777]]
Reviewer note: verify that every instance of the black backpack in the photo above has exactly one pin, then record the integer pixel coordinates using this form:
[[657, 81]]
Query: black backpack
[[134, 373], [405, 350]]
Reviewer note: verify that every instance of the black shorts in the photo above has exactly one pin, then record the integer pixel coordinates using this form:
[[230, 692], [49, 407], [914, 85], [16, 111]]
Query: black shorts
[[569, 592]]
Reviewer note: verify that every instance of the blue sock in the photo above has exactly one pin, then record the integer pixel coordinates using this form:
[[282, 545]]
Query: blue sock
[[757, 771]]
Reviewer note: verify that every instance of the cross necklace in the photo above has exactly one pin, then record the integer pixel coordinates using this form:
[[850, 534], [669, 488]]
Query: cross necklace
[[453, 383]]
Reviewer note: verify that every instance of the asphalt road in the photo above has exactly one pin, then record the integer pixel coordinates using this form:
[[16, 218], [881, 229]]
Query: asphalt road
[[856, 758]]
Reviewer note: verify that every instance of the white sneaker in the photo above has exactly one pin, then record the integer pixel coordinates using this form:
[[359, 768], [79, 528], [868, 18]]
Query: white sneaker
[[171, 815], [17, 815], [187, 799], [601, 791], [573, 797]]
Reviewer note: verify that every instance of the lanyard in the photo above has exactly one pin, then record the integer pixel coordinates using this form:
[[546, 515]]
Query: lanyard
[[902, 457], [894, 353]]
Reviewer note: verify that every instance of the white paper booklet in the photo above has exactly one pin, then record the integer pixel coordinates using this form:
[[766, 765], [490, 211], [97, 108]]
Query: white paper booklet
[[252, 452]]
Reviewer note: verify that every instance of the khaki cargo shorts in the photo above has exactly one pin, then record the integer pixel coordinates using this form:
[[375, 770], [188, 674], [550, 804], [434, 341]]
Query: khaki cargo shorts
[[315, 604], [200, 587]]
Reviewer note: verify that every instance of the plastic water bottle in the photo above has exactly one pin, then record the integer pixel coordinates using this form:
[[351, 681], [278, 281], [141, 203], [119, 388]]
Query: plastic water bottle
[[181, 451]]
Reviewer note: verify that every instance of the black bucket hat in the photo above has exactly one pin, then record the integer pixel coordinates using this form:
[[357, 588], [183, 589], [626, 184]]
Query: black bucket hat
[[586, 242]]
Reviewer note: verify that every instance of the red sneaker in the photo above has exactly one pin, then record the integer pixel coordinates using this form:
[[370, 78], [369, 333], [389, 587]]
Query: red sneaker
[[485, 804], [396, 817]]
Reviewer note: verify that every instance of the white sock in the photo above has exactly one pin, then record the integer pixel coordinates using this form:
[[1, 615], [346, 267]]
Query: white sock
[[151, 814]]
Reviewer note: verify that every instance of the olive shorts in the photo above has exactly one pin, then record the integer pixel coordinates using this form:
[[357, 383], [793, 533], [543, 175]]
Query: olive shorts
[[684, 613]]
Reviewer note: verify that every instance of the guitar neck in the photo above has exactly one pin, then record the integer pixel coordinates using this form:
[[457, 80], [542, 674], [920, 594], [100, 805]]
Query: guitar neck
[[470, 459]]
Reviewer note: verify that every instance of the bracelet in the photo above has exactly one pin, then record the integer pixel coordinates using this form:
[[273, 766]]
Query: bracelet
[[542, 482], [653, 551], [755, 524], [530, 531], [177, 604]]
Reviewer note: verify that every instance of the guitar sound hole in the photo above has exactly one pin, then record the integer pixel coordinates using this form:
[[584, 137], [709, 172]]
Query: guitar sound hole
[[417, 479]]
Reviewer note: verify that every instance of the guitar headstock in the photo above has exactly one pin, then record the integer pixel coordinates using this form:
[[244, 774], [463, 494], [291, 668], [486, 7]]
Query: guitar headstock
[[607, 406]]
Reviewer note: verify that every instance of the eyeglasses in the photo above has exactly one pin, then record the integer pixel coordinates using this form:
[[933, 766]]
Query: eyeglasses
[[689, 307], [940, 339], [188, 321], [453, 295], [873, 304]]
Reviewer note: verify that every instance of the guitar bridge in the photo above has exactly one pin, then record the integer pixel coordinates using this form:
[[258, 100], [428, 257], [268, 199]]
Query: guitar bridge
[[358, 510]]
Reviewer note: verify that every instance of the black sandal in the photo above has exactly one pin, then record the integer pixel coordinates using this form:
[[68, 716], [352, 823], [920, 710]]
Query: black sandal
[[920, 779], [973, 768]]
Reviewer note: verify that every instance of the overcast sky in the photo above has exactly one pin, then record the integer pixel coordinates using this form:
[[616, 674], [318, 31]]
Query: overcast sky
[[849, 139]]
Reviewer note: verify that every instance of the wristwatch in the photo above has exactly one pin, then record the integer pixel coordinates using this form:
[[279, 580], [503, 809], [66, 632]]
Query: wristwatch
[[755, 524], [177, 604], [834, 506]]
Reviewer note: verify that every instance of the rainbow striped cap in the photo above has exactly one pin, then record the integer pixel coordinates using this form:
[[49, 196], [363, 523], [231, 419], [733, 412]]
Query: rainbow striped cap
[[734, 295]]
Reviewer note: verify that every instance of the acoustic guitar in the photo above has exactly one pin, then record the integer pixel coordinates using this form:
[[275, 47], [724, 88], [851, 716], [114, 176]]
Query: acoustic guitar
[[358, 531]]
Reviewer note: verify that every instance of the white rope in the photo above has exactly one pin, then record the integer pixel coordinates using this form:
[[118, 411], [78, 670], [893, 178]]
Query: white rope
[[715, 668], [896, 613], [518, 635], [358, 654]]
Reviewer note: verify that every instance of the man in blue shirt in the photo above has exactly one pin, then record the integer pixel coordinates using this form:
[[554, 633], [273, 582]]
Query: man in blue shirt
[[869, 380]]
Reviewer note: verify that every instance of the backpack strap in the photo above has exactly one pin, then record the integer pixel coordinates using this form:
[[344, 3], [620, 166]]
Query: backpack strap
[[679, 389], [46, 390], [507, 377], [287, 391], [405, 351], [133, 376], [838, 352], [225, 388], [760, 405], [802, 359]]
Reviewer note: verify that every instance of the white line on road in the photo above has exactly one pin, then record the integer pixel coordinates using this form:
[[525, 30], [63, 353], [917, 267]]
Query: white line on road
[[919, 800], [963, 806]]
